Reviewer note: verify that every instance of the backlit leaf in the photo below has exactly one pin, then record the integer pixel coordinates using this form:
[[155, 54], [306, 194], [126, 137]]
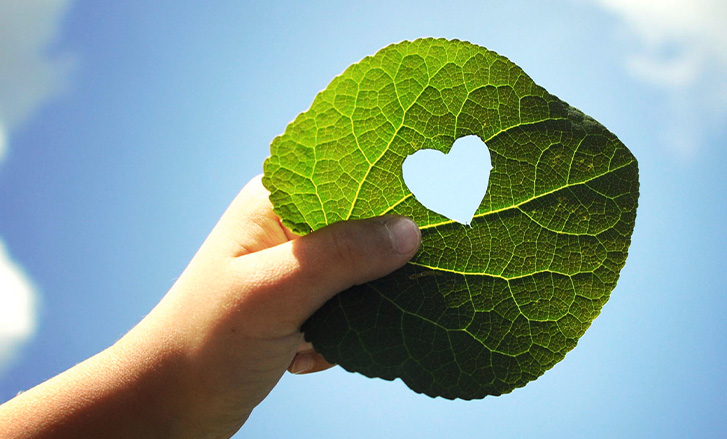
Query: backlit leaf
[[480, 310]]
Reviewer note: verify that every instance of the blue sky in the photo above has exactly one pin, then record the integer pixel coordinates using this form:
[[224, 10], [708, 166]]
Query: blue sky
[[127, 127]]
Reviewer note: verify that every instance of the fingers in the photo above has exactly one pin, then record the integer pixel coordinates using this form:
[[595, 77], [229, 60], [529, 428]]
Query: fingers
[[294, 279], [249, 223], [307, 360]]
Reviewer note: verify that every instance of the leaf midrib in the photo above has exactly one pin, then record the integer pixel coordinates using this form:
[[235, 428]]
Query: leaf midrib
[[533, 198]]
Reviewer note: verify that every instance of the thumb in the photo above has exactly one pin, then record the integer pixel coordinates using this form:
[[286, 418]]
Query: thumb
[[292, 280]]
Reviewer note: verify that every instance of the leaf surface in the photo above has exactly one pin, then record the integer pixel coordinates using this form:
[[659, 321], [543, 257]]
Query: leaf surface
[[480, 310]]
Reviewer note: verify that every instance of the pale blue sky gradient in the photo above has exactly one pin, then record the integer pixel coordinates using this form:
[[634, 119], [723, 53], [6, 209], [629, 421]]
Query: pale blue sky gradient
[[108, 188], [453, 184]]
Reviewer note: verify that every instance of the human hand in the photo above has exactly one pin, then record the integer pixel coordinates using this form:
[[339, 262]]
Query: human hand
[[239, 306], [224, 334]]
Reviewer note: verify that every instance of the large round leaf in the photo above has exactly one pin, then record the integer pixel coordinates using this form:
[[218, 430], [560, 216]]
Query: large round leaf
[[484, 309]]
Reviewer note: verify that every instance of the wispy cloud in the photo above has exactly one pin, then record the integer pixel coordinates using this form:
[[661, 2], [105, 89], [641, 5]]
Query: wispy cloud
[[32, 72], [3, 141], [681, 47]]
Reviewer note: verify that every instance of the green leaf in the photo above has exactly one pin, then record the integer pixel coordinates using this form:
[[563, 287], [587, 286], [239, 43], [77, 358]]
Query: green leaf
[[480, 310]]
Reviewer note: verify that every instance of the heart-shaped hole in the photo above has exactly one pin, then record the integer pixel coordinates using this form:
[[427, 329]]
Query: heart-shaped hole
[[451, 184]]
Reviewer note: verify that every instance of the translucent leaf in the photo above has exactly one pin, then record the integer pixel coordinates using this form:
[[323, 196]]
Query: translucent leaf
[[481, 309]]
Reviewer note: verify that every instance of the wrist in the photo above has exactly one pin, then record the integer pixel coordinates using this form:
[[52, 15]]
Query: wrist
[[151, 390], [165, 361]]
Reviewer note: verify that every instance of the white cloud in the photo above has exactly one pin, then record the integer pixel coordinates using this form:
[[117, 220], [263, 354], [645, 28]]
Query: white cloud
[[18, 307], [681, 47], [31, 73]]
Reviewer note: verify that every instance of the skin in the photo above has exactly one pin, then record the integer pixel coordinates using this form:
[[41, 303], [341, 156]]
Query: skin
[[222, 337]]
